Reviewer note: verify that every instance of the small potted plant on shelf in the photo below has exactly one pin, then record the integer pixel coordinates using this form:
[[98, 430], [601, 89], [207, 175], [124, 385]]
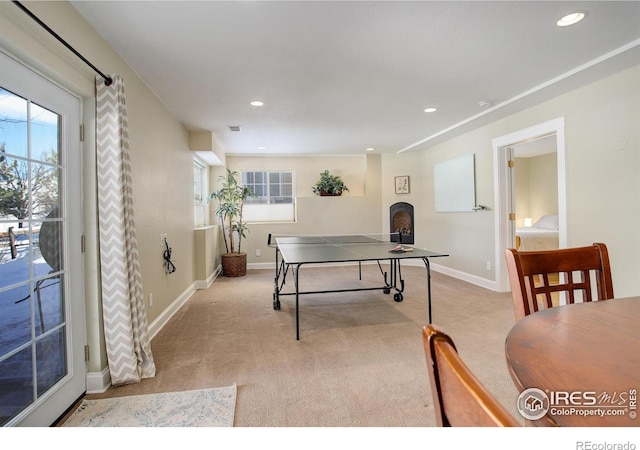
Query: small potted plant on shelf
[[329, 185], [231, 197]]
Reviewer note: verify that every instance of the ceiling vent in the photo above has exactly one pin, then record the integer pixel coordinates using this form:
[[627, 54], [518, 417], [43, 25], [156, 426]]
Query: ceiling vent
[[235, 128]]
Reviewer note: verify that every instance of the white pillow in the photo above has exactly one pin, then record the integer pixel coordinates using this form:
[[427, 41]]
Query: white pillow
[[547, 222]]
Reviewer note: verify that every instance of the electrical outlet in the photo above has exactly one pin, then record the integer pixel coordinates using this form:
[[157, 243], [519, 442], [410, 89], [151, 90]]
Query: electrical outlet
[[257, 252], [163, 239], [488, 265]]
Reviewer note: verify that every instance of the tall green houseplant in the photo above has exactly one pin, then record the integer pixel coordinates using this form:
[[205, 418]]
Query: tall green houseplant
[[231, 197]]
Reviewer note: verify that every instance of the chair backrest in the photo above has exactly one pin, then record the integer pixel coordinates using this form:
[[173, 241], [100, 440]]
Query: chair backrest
[[459, 399], [536, 276]]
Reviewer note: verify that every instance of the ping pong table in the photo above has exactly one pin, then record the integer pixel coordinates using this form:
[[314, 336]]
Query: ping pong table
[[292, 252]]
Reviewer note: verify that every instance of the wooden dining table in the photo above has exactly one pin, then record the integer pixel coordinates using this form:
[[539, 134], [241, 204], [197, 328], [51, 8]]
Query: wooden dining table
[[579, 364]]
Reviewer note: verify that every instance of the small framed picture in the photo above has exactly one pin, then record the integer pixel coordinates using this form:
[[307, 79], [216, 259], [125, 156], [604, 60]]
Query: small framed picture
[[402, 184]]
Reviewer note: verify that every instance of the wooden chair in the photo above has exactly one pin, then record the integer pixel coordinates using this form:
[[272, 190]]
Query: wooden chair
[[459, 399], [531, 284]]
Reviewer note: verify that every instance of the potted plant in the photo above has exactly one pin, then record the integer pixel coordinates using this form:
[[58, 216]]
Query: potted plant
[[231, 197], [329, 185]]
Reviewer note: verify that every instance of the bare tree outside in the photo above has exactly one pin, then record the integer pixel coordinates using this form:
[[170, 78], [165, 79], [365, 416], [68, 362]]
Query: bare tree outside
[[18, 179], [15, 176]]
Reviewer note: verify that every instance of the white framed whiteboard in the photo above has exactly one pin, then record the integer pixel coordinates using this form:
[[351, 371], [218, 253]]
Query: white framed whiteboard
[[455, 184]]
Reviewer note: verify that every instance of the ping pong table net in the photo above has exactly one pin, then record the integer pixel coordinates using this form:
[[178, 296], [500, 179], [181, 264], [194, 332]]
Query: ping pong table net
[[339, 239]]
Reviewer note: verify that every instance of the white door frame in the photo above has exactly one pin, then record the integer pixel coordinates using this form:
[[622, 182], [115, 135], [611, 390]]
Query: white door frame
[[503, 194]]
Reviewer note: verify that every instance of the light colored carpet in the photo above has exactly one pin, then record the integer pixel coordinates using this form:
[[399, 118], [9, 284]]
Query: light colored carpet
[[197, 408], [359, 362]]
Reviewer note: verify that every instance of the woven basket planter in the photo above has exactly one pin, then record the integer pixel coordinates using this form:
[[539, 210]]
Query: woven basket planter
[[234, 264]]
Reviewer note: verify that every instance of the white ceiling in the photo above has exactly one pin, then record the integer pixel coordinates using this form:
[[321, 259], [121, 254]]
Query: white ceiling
[[338, 77]]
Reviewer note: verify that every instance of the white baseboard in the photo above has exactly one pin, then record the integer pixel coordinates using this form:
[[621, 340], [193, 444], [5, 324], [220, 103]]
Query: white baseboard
[[473, 279], [204, 284], [98, 382], [269, 265], [164, 317]]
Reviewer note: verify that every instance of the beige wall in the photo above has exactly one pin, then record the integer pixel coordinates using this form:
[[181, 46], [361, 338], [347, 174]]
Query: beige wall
[[536, 190], [521, 190], [602, 141], [465, 236], [161, 159], [356, 211], [307, 170]]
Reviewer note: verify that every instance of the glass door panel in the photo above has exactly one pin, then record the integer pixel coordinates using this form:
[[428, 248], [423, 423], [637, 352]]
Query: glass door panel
[[33, 328]]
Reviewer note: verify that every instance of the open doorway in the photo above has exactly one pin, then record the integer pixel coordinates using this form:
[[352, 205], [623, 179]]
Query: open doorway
[[551, 134], [534, 190]]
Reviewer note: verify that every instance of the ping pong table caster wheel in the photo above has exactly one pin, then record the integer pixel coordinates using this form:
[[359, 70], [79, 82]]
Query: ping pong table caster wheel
[[386, 290], [397, 297]]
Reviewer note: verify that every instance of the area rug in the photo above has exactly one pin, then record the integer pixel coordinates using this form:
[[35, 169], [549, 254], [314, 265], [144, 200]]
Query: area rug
[[198, 408]]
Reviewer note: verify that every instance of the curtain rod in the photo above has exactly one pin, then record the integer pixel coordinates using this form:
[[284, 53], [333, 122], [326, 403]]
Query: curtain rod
[[107, 79]]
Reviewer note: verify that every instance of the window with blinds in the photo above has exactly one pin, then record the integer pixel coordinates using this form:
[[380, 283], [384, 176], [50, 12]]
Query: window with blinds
[[274, 199]]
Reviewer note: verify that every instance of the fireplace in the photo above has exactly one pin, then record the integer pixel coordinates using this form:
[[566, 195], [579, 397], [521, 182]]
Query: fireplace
[[401, 221]]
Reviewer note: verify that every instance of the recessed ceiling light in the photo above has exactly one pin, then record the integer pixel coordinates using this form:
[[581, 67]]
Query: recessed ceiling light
[[571, 19], [370, 149], [430, 109], [257, 103], [262, 148]]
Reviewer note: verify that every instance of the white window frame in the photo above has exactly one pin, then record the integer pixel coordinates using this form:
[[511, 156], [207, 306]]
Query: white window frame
[[200, 192]]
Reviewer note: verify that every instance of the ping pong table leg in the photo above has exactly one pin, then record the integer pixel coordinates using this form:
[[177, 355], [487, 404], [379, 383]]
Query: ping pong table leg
[[280, 279], [296, 277], [428, 266], [397, 278], [277, 287], [387, 287]]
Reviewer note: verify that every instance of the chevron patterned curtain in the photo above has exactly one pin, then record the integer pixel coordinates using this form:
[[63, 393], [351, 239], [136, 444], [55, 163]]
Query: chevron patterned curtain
[[125, 318]]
